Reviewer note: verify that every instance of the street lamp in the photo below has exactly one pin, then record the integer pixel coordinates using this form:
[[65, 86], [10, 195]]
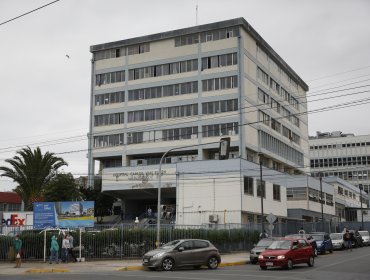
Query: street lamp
[[362, 213], [262, 193], [322, 205], [223, 149]]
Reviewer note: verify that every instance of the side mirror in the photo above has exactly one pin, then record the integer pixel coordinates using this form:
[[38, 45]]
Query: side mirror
[[180, 249]]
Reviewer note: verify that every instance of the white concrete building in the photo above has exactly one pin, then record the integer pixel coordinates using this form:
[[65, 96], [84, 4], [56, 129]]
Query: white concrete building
[[341, 155], [188, 88]]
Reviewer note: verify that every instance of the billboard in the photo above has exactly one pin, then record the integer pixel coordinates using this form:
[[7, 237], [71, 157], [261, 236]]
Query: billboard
[[15, 221], [66, 214]]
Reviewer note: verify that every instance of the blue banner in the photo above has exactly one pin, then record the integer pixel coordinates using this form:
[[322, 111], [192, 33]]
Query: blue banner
[[66, 214]]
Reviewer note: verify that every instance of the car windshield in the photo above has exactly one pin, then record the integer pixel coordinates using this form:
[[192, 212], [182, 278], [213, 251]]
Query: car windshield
[[318, 237], [364, 233], [170, 244], [336, 236], [280, 245], [264, 243]]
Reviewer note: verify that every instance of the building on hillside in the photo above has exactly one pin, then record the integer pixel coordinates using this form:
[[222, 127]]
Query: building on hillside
[[183, 90], [341, 155], [347, 199]]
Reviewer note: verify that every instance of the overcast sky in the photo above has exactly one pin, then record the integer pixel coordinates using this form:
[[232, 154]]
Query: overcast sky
[[45, 96]]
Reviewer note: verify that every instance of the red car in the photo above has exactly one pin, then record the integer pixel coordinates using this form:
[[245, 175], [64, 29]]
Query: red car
[[286, 252]]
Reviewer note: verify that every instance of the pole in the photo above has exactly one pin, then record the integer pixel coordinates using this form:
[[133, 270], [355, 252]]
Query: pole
[[44, 245], [261, 192], [322, 205], [362, 212]]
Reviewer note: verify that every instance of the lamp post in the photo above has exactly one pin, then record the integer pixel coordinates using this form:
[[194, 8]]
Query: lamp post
[[362, 213], [322, 205], [262, 193], [222, 150]]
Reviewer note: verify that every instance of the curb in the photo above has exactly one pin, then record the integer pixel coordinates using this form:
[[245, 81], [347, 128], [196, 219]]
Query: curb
[[48, 270], [136, 268]]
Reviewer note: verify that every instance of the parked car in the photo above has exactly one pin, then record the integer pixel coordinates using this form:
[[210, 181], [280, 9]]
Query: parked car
[[308, 237], [337, 241], [181, 253], [323, 242], [357, 238], [259, 248], [365, 237], [287, 252]]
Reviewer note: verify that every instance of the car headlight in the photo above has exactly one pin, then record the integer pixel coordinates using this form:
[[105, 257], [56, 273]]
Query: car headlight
[[157, 256], [260, 257], [281, 257]]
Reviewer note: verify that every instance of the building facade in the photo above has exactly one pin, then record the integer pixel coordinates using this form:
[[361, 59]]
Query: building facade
[[341, 155], [185, 89]]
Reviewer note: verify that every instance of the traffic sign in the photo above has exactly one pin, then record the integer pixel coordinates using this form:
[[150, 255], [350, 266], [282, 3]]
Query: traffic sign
[[271, 218]]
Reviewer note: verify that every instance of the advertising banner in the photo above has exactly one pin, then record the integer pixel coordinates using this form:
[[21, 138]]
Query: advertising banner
[[66, 214]]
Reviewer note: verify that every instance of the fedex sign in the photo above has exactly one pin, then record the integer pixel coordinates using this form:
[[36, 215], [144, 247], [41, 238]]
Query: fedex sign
[[17, 219]]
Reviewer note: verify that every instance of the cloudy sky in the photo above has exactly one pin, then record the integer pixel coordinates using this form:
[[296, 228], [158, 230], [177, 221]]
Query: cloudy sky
[[45, 95]]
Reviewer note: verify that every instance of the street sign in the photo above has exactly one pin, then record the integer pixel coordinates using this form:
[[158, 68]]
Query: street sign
[[270, 227], [271, 218]]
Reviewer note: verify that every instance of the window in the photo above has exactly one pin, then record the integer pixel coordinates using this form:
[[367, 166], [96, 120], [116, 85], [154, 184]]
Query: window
[[276, 192], [248, 185], [219, 61], [112, 53], [259, 188], [219, 106], [108, 119], [109, 78], [296, 194], [219, 34], [138, 49], [220, 129], [180, 133], [261, 75], [264, 118], [113, 140], [109, 98], [220, 83], [135, 137]]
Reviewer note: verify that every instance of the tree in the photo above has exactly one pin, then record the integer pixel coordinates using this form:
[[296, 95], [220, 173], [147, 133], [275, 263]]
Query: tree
[[62, 188], [32, 170]]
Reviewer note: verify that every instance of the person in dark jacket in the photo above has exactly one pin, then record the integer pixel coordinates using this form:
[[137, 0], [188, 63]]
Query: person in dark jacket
[[347, 240], [54, 250]]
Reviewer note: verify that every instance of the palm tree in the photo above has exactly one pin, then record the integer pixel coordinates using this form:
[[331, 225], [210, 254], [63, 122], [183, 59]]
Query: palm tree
[[32, 171]]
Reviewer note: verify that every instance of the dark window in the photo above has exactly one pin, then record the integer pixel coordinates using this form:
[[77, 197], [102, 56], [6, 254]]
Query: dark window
[[199, 244], [276, 192], [248, 185]]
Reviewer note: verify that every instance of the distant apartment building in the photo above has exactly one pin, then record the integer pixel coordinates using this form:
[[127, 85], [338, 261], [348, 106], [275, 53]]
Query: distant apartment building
[[341, 155], [183, 90]]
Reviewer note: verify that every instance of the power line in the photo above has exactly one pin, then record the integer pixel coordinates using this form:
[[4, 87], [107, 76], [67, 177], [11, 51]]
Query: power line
[[22, 15], [339, 73]]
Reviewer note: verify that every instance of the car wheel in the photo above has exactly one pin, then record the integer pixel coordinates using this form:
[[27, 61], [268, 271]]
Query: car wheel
[[168, 264], [289, 264], [263, 267], [212, 263], [311, 261]]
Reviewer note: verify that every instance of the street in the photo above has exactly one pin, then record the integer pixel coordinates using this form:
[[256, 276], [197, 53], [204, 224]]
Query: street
[[341, 265]]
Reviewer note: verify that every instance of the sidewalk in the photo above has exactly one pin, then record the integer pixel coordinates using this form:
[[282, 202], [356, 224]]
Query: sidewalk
[[7, 268]]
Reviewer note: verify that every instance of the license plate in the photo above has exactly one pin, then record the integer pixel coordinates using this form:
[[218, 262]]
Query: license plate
[[146, 260], [269, 264]]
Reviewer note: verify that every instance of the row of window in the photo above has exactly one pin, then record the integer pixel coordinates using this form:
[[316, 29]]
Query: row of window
[[274, 145], [348, 193], [212, 35], [219, 61], [249, 188], [169, 90], [163, 91], [313, 195], [219, 106], [118, 52], [109, 119], [220, 129], [220, 83], [277, 126], [110, 78], [340, 161], [273, 64], [108, 140], [338, 146], [346, 175], [285, 95], [163, 69]]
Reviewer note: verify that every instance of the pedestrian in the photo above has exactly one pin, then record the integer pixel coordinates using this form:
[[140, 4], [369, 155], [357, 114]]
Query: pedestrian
[[70, 250], [149, 212], [263, 234], [65, 247], [301, 231], [347, 240], [17, 251], [54, 250]]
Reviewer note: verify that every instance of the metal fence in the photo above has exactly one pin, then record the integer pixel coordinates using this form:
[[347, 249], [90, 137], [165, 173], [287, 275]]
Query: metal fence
[[132, 241]]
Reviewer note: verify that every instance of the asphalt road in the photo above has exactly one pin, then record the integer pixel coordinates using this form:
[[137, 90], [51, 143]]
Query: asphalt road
[[341, 265]]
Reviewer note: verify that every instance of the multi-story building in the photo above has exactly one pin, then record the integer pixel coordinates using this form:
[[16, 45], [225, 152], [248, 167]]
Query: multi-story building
[[188, 88], [341, 155]]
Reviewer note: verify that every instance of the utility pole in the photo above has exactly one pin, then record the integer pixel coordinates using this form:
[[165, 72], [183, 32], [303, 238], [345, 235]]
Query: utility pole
[[322, 205], [262, 193], [362, 212]]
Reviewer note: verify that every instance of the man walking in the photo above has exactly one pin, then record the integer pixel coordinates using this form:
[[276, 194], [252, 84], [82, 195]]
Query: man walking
[[54, 250], [70, 250], [348, 240]]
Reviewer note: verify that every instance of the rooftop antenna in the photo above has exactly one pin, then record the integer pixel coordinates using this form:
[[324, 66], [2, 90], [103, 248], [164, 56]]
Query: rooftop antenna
[[196, 14]]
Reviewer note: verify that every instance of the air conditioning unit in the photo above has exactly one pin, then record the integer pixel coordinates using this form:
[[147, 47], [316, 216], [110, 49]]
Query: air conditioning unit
[[213, 218]]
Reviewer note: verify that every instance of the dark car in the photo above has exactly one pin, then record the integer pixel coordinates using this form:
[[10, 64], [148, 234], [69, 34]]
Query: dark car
[[287, 252], [356, 238], [323, 242], [308, 237], [258, 248], [182, 253], [365, 237]]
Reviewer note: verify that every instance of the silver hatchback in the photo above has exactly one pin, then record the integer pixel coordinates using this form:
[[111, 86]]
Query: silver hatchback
[[182, 253]]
